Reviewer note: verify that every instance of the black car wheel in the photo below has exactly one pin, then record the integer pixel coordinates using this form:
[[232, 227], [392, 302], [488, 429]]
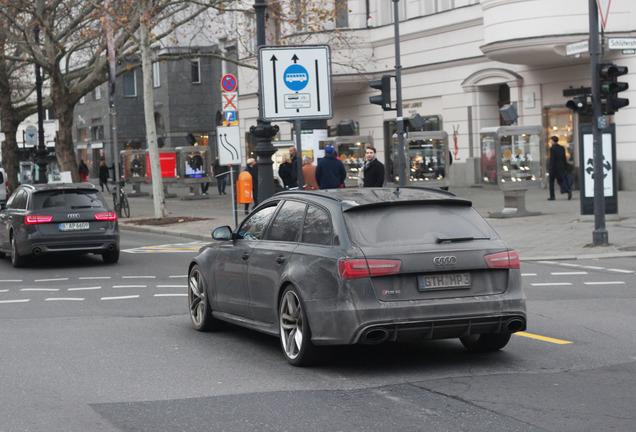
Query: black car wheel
[[485, 342], [16, 259], [111, 257], [200, 310], [295, 336]]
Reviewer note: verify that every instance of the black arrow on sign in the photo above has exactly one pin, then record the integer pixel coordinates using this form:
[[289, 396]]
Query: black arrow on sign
[[295, 58], [274, 60]]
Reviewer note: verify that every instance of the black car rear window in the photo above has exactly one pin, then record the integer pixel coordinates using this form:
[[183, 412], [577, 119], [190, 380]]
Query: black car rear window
[[70, 199], [415, 224]]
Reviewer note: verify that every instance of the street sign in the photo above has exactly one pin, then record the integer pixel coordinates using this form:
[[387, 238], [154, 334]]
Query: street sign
[[621, 43], [230, 101], [229, 83], [603, 10], [228, 139], [295, 82], [31, 136], [577, 48]]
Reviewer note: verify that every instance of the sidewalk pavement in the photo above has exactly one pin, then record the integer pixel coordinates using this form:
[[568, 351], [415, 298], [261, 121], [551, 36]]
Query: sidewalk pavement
[[558, 232]]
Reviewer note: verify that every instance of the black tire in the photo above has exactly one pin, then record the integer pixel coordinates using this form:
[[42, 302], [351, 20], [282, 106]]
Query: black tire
[[17, 260], [125, 207], [111, 257], [295, 335], [200, 310], [485, 342]]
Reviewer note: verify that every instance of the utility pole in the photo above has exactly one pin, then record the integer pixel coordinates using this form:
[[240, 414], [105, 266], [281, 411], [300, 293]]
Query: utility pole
[[600, 235], [112, 76], [402, 169], [40, 153]]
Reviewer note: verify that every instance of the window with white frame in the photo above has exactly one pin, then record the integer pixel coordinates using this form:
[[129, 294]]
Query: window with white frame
[[156, 75], [342, 13], [195, 65], [130, 84], [97, 93], [385, 11]]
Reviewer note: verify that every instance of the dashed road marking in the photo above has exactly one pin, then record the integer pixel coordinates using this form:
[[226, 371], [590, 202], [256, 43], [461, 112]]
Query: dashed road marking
[[64, 299], [40, 289], [139, 277], [621, 271], [51, 280], [605, 283], [573, 273], [552, 284], [130, 286], [543, 338], [93, 277], [528, 274], [15, 301], [172, 295], [84, 288], [120, 297], [11, 280]]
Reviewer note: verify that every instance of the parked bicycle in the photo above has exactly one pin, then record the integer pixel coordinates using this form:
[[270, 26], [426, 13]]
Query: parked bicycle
[[122, 207]]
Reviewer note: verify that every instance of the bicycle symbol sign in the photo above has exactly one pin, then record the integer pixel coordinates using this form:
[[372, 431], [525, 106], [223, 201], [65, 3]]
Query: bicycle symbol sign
[[296, 77]]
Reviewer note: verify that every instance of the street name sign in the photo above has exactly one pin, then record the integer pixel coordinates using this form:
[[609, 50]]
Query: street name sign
[[295, 82], [577, 48], [621, 43]]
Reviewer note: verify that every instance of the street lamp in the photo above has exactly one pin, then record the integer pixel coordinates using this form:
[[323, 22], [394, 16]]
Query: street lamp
[[40, 153]]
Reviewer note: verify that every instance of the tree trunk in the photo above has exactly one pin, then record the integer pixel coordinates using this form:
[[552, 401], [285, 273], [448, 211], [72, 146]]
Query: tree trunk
[[10, 122], [64, 149]]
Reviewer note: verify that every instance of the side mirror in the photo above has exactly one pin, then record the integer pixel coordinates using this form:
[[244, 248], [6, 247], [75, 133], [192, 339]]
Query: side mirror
[[222, 233]]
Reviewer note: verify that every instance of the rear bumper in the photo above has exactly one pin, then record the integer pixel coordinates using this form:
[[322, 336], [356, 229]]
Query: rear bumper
[[43, 246]]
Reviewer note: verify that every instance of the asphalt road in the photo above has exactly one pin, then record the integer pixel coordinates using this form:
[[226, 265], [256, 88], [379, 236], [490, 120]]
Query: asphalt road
[[110, 348]]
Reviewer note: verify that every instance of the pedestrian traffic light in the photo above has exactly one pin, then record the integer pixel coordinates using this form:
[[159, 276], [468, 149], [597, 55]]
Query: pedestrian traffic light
[[577, 104], [610, 87], [384, 99]]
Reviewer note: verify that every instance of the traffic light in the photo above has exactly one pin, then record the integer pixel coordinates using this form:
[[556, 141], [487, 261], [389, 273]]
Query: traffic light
[[610, 87], [384, 99], [578, 104]]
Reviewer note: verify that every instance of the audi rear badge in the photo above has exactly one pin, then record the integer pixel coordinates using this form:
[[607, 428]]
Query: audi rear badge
[[73, 215], [445, 260]]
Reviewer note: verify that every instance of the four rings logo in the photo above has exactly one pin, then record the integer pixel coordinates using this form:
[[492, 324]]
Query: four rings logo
[[73, 215], [445, 260]]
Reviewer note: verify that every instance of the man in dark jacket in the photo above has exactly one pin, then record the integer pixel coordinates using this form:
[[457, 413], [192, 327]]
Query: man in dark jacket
[[330, 172], [373, 169], [293, 180], [558, 169]]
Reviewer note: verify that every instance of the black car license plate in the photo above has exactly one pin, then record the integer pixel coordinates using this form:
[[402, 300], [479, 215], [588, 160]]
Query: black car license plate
[[443, 281], [74, 226]]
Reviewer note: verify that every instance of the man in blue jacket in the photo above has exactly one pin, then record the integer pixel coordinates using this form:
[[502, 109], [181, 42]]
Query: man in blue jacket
[[330, 172]]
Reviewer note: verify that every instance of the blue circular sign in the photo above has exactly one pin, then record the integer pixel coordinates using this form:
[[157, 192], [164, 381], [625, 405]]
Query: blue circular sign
[[296, 77]]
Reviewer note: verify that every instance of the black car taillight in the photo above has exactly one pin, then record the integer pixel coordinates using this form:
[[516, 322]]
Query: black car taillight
[[508, 259], [106, 216], [357, 268], [37, 219]]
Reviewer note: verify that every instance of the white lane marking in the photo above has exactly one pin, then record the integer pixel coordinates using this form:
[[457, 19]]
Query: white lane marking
[[138, 277], [528, 274], [593, 267], [84, 288], [621, 271], [120, 297], [130, 286], [64, 299], [11, 280], [173, 286], [178, 276], [552, 284], [168, 248], [171, 295], [93, 277], [40, 289], [571, 265], [548, 262], [568, 273], [605, 283], [4, 290], [15, 301], [51, 280]]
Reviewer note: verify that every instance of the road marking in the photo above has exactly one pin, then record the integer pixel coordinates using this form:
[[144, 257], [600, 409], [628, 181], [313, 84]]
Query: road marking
[[172, 295], [593, 267], [176, 247], [51, 280], [4, 290], [568, 273], [130, 286], [528, 274], [64, 299], [138, 277], [172, 286], [15, 301], [41, 289], [120, 297], [621, 271], [84, 288], [178, 276], [605, 283], [548, 262], [543, 338], [571, 265], [11, 280], [93, 277], [552, 284]]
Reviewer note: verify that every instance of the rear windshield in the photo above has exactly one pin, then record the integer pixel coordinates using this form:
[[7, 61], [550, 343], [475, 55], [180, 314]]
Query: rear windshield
[[70, 199], [415, 224]]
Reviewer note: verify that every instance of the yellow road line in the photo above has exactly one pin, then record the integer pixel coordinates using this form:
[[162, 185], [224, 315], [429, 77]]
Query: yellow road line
[[543, 338]]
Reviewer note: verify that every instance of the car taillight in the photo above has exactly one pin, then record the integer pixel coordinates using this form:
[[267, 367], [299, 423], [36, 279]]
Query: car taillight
[[36, 219], [357, 268], [106, 216], [508, 259]]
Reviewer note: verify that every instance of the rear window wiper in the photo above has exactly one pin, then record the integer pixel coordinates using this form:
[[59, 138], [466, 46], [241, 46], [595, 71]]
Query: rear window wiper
[[458, 239]]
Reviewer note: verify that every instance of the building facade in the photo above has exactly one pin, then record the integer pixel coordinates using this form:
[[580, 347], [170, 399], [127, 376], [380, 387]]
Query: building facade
[[462, 60]]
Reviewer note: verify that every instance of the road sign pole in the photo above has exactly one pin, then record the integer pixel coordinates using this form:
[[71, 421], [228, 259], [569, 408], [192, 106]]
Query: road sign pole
[[600, 235], [402, 169]]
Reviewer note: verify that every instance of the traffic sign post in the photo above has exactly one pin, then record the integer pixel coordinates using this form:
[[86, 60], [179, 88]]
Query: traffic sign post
[[31, 136], [228, 140], [295, 82]]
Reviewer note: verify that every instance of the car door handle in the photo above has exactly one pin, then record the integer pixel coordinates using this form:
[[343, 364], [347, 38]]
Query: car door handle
[[280, 259], [245, 256]]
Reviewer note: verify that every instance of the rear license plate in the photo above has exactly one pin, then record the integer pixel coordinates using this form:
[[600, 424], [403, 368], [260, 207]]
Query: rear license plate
[[443, 281], [74, 226]]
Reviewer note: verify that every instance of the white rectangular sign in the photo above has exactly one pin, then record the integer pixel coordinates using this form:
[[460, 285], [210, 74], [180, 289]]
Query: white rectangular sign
[[577, 48], [295, 82], [588, 157], [622, 43], [228, 140]]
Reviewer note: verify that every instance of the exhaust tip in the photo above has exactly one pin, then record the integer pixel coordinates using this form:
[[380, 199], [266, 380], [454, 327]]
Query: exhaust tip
[[111, 247], [375, 336], [514, 325], [36, 251]]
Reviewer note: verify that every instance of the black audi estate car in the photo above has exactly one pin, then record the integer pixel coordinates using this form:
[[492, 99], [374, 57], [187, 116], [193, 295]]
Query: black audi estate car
[[349, 266], [58, 218]]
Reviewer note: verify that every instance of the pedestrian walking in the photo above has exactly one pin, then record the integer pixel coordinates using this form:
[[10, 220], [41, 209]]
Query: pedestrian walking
[[285, 171], [83, 170], [309, 173], [103, 175], [373, 169], [220, 172], [558, 169], [294, 167], [330, 172]]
